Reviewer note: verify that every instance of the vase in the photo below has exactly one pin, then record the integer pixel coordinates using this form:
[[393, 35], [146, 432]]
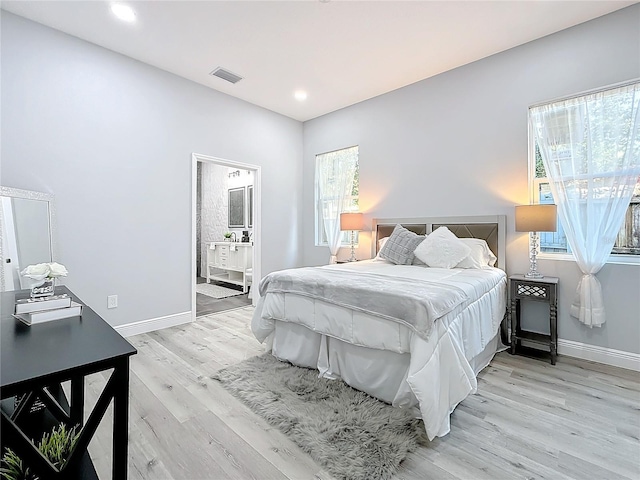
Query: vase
[[44, 288]]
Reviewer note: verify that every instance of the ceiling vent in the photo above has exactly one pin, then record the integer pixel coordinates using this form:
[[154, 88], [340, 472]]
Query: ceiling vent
[[226, 75]]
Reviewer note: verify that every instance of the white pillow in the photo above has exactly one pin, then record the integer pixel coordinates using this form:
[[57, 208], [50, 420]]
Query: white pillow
[[442, 249], [381, 243], [480, 256]]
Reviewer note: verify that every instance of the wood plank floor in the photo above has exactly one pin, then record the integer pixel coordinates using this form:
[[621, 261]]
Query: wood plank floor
[[577, 420], [206, 305]]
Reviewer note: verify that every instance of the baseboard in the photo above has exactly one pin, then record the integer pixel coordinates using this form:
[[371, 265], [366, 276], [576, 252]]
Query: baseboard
[[608, 356], [145, 326]]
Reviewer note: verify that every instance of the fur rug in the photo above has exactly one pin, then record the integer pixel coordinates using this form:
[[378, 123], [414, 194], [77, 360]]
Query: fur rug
[[349, 433]]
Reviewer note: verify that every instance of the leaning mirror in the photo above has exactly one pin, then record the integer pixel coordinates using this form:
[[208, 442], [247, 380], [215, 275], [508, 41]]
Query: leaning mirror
[[27, 234]]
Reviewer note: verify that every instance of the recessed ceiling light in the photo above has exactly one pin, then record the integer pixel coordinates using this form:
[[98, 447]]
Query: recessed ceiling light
[[123, 12], [300, 95]]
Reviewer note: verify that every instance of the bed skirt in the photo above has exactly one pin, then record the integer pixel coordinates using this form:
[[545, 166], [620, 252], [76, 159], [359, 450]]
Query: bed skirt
[[382, 374]]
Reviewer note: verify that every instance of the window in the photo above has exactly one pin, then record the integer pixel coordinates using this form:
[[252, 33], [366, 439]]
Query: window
[[336, 187], [628, 238], [590, 148], [628, 241]]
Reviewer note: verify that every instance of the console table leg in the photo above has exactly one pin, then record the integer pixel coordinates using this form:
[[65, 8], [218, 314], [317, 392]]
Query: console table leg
[[121, 420]]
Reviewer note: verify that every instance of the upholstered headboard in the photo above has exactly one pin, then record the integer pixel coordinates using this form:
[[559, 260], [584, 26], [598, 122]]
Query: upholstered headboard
[[491, 228]]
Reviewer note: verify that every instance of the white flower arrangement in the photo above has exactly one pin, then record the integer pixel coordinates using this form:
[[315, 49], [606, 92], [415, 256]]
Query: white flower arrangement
[[45, 271]]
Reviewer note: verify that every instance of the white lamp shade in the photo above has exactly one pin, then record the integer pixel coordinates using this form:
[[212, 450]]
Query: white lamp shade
[[536, 218], [351, 221]]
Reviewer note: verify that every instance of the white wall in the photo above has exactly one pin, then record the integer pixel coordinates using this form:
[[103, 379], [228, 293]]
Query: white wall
[[112, 138], [456, 144], [214, 212]]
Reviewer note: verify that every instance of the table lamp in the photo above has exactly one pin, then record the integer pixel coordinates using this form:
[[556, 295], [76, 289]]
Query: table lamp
[[534, 219], [353, 222]]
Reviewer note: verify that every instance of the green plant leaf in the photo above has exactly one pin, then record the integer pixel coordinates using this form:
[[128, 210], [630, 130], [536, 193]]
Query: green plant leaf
[[55, 446]]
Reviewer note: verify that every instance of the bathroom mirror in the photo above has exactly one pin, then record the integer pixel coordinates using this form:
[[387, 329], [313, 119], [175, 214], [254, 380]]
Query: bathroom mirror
[[28, 233], [236, 207]]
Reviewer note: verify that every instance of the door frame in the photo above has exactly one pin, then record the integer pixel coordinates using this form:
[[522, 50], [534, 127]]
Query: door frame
[[257, 220]]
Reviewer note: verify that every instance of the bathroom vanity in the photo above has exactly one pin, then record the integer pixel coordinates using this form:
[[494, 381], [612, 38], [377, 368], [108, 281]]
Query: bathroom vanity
[[231, 262]]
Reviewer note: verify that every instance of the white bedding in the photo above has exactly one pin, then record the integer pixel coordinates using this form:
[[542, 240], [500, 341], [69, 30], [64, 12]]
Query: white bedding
[[387, 359], [416, 303]]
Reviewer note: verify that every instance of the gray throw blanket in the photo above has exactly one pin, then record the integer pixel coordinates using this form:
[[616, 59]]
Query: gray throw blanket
[[411, 302]]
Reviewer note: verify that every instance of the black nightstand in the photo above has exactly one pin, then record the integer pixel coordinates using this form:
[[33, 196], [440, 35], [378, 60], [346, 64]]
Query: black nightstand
[[543, 289]]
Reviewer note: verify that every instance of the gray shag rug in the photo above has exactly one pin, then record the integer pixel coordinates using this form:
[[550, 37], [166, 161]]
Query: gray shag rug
[[349, 433]]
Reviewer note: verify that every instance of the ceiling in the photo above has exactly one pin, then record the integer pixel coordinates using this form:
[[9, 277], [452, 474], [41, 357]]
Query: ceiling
[[340, 52]]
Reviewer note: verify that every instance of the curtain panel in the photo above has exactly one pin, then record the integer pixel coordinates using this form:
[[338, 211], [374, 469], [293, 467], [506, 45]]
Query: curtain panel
[[335, 172], [590, 148]]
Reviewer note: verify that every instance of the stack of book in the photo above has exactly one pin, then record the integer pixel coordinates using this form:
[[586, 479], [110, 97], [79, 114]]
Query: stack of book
[[38, 310]]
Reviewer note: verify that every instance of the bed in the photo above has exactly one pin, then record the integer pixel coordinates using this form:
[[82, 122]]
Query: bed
[[426, 357]]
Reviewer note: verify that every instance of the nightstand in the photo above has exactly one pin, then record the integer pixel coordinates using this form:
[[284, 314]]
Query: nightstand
[[543, 289]]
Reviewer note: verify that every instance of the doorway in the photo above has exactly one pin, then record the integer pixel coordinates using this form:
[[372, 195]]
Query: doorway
[[226, 234]]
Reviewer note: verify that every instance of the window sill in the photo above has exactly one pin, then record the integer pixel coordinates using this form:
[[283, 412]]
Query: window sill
[[613, 259]]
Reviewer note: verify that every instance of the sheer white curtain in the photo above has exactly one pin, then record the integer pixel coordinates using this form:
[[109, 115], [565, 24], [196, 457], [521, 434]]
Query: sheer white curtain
[[335, 172], [590, 147]]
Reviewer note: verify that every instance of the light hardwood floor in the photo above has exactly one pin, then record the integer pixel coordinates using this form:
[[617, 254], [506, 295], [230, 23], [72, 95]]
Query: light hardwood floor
[[577, 420]]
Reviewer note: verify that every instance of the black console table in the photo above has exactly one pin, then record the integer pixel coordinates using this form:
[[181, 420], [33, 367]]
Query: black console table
[[36, 360]]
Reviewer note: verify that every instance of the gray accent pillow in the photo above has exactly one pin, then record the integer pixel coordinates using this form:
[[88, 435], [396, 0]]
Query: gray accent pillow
[[400, 246]]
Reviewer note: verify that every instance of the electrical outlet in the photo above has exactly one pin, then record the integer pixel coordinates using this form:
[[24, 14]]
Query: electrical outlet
[[112, 301]]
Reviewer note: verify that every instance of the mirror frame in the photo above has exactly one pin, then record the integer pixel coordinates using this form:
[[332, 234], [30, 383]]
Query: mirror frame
[[236, 205], [30, 195], [250, 206]]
